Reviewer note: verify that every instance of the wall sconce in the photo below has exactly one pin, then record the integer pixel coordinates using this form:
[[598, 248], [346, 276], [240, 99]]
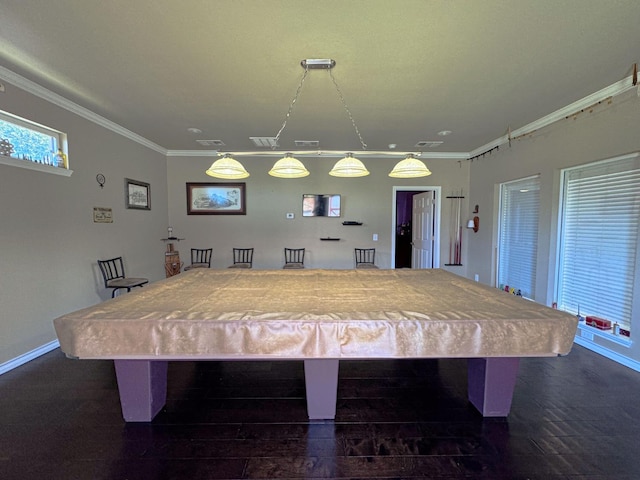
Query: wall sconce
[[474, 223]]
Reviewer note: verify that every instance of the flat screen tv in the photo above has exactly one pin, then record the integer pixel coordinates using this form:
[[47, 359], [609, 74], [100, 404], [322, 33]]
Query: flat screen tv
[[320, 205]]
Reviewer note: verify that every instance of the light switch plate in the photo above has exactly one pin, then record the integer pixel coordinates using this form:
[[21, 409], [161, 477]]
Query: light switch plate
[[290, 215]]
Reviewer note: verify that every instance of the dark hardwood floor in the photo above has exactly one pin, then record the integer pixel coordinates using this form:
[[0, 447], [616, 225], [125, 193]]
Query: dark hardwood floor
[[576, 417]]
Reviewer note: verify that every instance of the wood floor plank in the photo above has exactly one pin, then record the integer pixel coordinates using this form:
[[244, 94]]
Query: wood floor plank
[[575, 417]]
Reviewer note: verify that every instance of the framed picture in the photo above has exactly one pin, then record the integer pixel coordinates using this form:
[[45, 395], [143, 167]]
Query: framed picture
[[102, 215], [216, 199], [137, 194]]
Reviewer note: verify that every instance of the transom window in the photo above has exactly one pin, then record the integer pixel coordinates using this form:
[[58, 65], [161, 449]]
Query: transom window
[[25, 140]]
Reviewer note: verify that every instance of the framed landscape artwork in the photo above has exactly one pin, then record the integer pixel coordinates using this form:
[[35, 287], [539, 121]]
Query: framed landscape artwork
[[216, 199]]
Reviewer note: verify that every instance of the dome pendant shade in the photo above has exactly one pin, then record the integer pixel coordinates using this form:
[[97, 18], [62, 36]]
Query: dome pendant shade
[[227, 168], [349, 167], [410, 167], [288, 167]]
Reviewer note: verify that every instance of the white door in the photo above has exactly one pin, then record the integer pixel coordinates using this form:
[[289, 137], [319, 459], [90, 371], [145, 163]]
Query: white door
[[422, 230]]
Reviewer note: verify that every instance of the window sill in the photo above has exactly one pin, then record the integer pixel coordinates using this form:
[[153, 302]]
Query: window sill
[[589, 332], [14, 162]]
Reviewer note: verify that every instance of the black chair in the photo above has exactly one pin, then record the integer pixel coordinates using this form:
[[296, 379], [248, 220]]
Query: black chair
[[242, 258], [293, 258], [365, 257], [200, 258], [114, 277]]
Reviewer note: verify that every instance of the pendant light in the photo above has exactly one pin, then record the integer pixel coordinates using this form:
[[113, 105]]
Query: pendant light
[[227, 168], [288, 167], [349, 166], [410, 167]]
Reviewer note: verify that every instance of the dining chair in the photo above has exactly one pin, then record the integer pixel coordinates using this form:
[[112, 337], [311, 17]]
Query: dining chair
[[200, 258], [293, 258], [242, 258], [365, 258], [114, 277]]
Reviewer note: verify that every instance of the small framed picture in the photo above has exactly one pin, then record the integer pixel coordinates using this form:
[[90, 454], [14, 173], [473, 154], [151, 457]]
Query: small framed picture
[[102, 215], [216, 199], [137, 194]]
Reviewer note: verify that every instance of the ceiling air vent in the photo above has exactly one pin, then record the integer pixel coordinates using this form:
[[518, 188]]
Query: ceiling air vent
[[428, 144], [264, 141], [211, 143], [308, 143]]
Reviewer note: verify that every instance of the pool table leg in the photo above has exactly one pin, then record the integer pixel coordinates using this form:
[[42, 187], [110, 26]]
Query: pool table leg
[[491, 382], [321, 380], [143, 388]]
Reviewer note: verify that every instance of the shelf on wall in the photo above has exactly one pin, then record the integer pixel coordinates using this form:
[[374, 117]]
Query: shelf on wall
[[40, 167]]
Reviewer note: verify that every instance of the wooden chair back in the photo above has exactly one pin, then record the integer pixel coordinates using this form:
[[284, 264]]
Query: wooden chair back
[[200, 258], [242, 258], [294, 257], [365, 257]]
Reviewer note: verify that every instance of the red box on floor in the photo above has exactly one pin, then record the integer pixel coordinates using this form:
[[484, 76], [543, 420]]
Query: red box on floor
[[599, 323]]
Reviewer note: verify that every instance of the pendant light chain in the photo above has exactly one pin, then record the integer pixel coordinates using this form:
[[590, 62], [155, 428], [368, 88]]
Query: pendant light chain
[[290, 167], [293, 102], [344, 104]]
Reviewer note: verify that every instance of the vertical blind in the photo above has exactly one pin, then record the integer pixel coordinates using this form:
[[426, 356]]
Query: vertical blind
[[599, 239], [518, 235]]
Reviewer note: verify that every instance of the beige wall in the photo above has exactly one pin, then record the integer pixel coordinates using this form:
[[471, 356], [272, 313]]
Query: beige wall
[[48, 241], [609, 131], [265, 226]]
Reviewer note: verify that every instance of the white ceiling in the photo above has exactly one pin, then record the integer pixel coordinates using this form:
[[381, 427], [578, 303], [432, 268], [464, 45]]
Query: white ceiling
[[407, 68]]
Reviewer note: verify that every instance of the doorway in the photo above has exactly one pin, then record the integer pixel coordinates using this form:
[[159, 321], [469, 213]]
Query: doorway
[[415, 241]]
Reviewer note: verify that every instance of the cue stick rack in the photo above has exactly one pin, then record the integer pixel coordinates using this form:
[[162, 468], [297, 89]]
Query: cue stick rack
[[455, 231]]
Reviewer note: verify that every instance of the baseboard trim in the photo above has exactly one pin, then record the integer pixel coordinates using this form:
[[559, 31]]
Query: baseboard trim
[[605, 352], [27, 357]]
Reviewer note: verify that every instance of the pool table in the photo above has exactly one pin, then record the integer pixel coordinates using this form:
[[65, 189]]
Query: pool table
[[319, 317]]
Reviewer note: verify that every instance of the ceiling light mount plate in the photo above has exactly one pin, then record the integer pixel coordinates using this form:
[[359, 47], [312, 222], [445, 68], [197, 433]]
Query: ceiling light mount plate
[[318, 63]]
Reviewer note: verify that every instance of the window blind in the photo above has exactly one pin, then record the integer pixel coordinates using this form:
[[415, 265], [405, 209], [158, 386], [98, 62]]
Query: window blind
[[518, 235], [599, 239]]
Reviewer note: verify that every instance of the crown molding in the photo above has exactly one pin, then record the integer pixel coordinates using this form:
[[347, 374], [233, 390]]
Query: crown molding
[[578, 106], [445, 155], [192, 153], [39, 91]]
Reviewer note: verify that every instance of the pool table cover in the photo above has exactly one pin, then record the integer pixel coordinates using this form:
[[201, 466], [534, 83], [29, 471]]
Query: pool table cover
[[313, 314]]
